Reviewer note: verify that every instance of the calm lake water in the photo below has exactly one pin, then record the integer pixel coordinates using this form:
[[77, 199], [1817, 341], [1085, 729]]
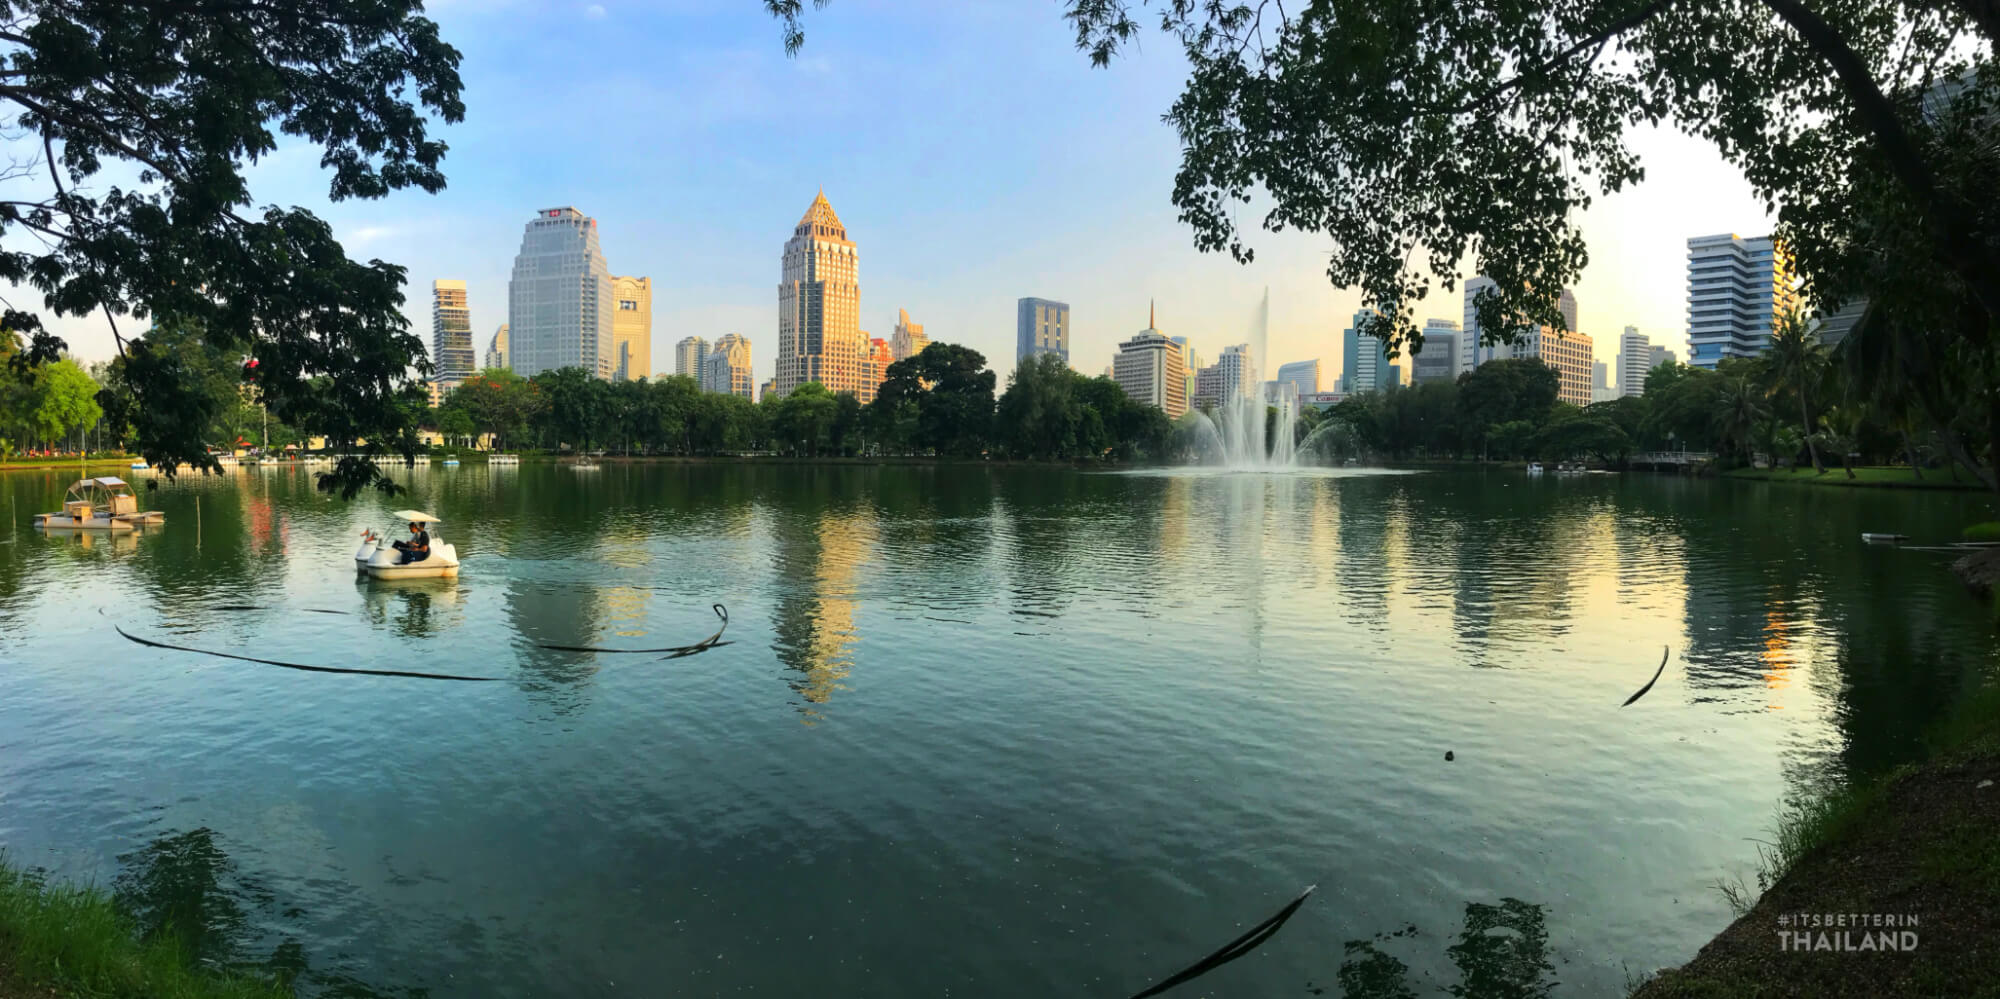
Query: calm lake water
[[980, 731]]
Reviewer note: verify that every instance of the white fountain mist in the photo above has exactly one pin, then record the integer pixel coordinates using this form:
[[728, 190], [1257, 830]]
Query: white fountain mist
[[1240, 435]]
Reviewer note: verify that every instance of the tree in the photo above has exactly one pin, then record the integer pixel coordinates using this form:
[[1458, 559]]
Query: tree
[[186, 95], [804, 418], [575, 407], [1573, 431], [948, 390], [499, 402], [62, 398], [1506, 391], [1040, 414], [1742, 414], [1798, 361]]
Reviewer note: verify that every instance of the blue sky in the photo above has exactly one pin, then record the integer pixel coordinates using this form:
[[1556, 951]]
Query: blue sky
[[973, 154]]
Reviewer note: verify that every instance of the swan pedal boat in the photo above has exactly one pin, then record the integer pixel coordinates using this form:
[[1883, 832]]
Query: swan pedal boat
[[378, 558]]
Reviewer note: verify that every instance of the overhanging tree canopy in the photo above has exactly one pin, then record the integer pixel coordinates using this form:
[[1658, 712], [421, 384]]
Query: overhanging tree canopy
[[189, 92], [1416, 133]]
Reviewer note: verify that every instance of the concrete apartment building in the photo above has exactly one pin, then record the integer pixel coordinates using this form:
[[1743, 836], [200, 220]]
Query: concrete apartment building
[[1737, 289]]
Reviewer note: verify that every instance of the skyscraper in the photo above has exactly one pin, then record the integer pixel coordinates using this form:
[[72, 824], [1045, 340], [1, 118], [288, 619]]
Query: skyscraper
[[1151, 369], [726, 369], [1231, 377], [1477, 353], [1041, 327], [1635, 359], [496, 348], [908, 340], [688, 356], [880, 356], [819, 309], [1303, 374], [1737, 288], [1364, 360], [1191, 365], [1439, 360], [632, 328], [451, 334], [559, 299], [1662, 355]]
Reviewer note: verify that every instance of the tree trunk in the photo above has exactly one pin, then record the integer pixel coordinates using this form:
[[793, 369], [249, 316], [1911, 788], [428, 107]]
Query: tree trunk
[[1805, 416], [1910, 451]]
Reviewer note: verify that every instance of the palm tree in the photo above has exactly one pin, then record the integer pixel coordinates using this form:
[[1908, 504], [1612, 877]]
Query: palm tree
[[1798, 360], [1742, 412]]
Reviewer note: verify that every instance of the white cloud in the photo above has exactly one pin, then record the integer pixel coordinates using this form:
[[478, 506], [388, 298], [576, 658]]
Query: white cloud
[[595, 12]]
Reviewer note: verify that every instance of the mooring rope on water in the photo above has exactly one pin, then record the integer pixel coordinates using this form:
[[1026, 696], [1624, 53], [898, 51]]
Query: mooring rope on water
[[255, 607], [301, 666], [1232, 950], [678, 651], [1664, 653]]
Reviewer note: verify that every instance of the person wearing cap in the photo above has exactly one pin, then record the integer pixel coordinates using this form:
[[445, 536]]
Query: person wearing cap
[[417, 548]]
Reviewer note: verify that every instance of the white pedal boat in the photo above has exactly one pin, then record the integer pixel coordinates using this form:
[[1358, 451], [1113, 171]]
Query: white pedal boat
[[378, 558]]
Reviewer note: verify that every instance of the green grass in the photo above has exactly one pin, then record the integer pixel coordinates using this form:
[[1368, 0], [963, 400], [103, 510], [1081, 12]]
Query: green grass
[[1986, 531], [1880, 477], [75, 942]]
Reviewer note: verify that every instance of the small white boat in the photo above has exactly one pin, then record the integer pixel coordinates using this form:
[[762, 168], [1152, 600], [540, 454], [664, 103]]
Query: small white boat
[[105, 503], [1883, 539], [585, 466], [503, 459], [1534, 468], [140, 465], [379, 558], [451, 461]]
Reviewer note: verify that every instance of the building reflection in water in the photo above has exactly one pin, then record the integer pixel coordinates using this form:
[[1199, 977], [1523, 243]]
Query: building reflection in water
[[813, 618]]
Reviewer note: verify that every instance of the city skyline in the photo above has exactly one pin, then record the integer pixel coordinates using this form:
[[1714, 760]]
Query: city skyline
[[913, 170]]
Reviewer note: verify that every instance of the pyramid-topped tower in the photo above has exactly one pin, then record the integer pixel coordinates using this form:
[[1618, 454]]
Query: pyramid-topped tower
[[819, 309]]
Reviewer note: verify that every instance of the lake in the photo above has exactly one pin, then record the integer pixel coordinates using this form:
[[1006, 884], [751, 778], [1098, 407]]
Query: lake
[[977, 730]]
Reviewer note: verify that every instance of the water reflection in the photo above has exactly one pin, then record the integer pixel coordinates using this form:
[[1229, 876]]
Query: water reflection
[[184, 887], [411, 608], [1502, 952], [818, 558]]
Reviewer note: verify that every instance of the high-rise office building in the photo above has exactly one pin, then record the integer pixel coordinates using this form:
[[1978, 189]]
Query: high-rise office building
[[689, 354], [559, 303], [632, 328], [1635, 359], [1191, 364], [1569, 354], [1601, 388], [1364, 360], [908, 340], [1302, 374], [496, 348], [1477, 353], [1041, 327], [1231, 377], [726, 369], [452, 359], [819, 309], [1737, 289], [880, 356], [1662, 355], [1151, 369], [1438, 361]]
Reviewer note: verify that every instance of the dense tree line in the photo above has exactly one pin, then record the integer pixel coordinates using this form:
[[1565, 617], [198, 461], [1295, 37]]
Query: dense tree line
[[939, 403], [1799, 403], [47, 405]]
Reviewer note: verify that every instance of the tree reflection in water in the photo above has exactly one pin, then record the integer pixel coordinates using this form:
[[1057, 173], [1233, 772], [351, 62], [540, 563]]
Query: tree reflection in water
[[182, 886], [1501, 953]]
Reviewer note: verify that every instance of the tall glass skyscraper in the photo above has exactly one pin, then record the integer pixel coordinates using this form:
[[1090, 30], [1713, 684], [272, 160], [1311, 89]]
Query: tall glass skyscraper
[[559, 302], [1737, 288], [1041, 327], [819, 309]]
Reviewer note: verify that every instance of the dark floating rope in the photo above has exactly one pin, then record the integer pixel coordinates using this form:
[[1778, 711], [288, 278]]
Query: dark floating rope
[[251, 607], [300, 666], [677, 651], [1664, 652], [1233, 949]]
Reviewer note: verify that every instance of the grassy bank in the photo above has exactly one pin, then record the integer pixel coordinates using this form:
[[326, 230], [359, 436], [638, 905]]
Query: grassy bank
[[1874, 477], [1922, 842], [58, 940]]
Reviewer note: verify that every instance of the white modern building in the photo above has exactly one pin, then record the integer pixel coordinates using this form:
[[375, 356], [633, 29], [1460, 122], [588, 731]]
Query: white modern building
[[1635, 359], [1364, 360], [1151, 369], [559, 299], [689, 354], [1737, 289]]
